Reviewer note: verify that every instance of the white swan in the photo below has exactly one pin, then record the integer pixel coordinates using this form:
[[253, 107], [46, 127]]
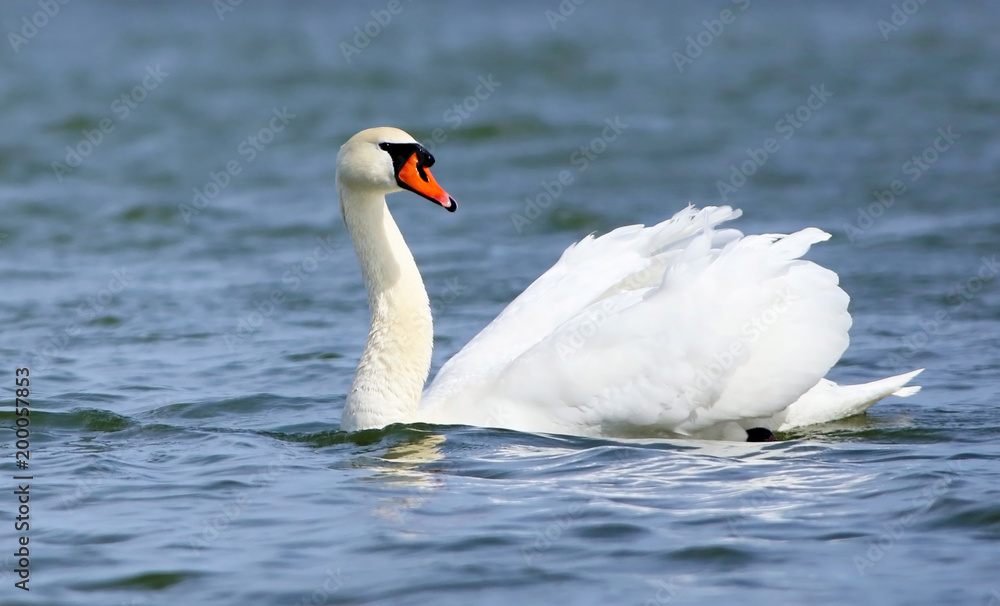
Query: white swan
[[680, 328]]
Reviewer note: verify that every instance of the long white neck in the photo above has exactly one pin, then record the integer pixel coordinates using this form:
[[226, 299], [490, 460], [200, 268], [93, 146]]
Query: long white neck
[[397, 358]]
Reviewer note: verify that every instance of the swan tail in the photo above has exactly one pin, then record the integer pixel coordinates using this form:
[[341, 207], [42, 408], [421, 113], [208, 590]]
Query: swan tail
[[828, 401]]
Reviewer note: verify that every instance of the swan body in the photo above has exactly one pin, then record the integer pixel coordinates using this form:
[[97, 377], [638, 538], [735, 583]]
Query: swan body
[[681, 328]]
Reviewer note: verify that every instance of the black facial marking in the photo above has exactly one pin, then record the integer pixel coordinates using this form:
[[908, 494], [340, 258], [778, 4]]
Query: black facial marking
[[401, 152]]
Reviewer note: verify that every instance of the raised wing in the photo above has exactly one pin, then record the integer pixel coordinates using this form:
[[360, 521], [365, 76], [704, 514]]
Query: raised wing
[[678, 327]]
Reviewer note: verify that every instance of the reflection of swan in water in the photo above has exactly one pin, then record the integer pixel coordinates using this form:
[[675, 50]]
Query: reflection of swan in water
[[415, 463], [680, 328], [408, 456]]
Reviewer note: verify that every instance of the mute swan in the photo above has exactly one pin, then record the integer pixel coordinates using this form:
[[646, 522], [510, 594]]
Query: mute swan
[[678, 329]]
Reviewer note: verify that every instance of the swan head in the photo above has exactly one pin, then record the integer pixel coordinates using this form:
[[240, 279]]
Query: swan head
[[385, 160]]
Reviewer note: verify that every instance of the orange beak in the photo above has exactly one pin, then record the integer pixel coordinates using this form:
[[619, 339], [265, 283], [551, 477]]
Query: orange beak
[[418, 179]]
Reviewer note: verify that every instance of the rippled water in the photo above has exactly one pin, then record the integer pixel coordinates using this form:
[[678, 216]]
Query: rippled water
[[184, 428]]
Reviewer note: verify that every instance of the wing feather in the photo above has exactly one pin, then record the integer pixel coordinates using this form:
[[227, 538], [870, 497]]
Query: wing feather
[[678, 327]]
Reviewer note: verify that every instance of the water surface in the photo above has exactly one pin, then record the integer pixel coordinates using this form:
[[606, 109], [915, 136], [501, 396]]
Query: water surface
[[184, 434]]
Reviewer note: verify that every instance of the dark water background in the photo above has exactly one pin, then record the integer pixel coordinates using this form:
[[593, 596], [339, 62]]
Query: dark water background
[[184, 435]]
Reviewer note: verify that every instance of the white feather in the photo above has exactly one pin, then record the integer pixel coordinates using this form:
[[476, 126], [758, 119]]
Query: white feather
[[676, 328]]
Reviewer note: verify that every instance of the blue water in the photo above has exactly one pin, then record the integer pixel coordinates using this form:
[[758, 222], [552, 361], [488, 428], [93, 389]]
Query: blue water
[[184, 433]]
